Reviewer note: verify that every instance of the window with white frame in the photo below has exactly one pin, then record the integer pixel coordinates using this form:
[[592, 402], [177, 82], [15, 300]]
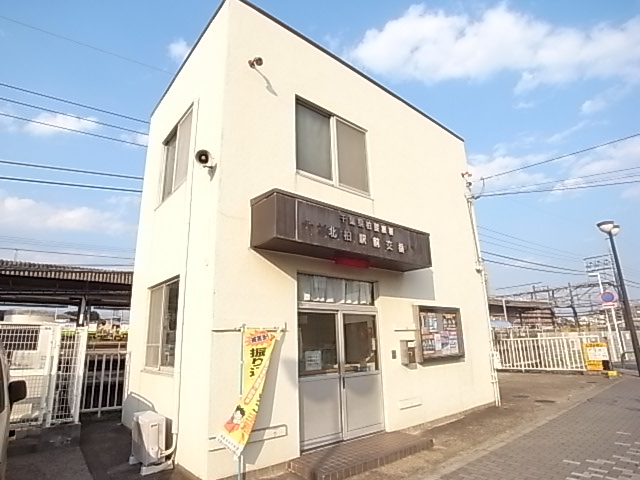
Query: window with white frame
[[176, 155], [331, 148], [161, 330]]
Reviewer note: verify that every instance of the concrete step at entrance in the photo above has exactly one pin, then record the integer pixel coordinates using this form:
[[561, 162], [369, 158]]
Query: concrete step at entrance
[[342, 460]]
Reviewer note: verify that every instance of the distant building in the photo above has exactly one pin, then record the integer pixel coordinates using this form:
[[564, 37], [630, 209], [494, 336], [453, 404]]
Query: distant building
[[522, 313]]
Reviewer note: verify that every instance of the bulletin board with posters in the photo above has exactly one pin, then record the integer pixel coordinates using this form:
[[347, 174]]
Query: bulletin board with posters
[[439, 333]]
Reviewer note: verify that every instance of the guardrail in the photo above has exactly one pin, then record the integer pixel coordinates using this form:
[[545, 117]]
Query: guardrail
[[544, 353], [104, 378]]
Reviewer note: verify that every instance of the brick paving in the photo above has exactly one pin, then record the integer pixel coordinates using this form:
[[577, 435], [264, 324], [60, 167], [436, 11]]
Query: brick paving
[[598, 439]]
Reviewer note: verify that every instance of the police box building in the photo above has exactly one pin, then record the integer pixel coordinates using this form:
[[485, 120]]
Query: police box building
[[306, 246]]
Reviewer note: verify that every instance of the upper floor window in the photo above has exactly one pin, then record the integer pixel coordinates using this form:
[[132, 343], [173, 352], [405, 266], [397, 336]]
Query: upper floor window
[[176, 156], [331, 148]]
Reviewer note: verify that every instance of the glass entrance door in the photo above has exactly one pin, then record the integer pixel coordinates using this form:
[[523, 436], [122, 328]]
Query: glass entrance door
[[362, 387], [339, 376]]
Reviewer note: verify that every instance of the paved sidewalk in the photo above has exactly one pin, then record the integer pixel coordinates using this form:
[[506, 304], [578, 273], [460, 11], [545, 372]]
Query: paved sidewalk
[[598, 439], [62, 463]]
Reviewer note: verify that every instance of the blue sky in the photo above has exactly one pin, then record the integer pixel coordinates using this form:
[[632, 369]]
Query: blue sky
[[521, 81]]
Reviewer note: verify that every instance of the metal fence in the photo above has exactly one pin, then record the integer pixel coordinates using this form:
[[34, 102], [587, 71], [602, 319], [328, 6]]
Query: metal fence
[[51, 361], [544, 353], [104, 377]]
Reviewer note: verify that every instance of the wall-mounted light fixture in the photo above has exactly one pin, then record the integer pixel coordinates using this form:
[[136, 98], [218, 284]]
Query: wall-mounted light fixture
[[256, 62]]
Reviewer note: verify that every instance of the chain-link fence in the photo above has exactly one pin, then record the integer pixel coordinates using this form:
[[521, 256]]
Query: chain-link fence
[[51, 361]]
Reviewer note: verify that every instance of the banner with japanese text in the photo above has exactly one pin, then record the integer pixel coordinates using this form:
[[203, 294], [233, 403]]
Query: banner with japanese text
[[257, 348]]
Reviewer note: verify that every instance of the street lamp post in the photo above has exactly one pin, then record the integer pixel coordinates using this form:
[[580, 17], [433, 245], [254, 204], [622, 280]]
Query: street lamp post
[[611, 229]]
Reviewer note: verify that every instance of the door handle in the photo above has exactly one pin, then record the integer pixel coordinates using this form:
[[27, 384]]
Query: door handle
[[343, 383]]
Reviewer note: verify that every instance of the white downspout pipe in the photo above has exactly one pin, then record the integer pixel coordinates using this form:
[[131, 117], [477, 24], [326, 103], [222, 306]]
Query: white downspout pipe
[[177, 368], [481, 271]]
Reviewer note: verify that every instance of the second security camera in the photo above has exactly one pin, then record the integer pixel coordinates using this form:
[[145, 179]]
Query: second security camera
[[203, 157]]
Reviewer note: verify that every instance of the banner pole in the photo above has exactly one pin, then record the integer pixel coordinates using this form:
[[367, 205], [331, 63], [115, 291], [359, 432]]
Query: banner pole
[[242, 329]]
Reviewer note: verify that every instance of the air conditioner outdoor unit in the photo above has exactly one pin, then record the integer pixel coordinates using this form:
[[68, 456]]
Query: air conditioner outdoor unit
[[148, 434]]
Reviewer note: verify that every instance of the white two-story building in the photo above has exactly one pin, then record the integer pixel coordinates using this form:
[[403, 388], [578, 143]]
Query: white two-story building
[[327, 206]]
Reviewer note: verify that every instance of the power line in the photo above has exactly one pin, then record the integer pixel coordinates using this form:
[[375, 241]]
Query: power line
[[516, 286], [67, 245], [97, 135], [527, 268], [64, 267], [578, 152], [97, 122], [74, 254], [525, 241], [72, 170], [526, 249], [61, 269], [66, 184], [86, 45], [602, 174], [533, 263], [559, 186], [70, 102], [577, 187]]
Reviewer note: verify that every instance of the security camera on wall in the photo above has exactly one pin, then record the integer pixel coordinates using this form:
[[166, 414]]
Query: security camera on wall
[[204, 158]]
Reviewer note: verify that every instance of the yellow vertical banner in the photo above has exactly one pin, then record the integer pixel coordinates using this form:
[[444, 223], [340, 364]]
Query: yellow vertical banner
[[257, 349]]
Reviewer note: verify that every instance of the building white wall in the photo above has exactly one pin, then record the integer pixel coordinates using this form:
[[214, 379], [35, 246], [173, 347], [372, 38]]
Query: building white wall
[[415, 168], [246, 119], [187, 217]]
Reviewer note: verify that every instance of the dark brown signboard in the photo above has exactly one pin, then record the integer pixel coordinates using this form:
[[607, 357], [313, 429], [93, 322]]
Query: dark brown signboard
[[283, 222]]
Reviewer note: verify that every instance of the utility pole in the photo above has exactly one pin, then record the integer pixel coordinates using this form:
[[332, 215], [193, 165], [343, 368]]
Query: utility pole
[[573, 307]]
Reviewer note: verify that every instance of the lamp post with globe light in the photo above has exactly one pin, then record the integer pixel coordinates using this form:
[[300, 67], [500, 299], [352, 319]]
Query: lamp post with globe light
[[611, 229]]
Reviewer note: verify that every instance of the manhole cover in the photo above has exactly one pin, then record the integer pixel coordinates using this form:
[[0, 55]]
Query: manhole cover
[[545, 401], [520, 395]]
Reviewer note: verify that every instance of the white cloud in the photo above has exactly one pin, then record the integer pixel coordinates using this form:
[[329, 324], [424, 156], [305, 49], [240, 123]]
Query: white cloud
[[29, 214], [331, 42], [631, 192], [522, 105], [124, 200], [433, 46], [482, 166], [560, 136], [594, 105], [178, 50], [83, 124], [140, 138], [595, 165], [620, 155], [559, 189], [7, 124], [604, 99]]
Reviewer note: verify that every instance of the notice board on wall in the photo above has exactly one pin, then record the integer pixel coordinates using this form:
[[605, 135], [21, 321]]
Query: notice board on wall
[[438, 333]]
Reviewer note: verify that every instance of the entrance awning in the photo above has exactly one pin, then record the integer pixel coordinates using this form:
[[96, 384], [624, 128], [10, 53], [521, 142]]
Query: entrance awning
[[284, 222]]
